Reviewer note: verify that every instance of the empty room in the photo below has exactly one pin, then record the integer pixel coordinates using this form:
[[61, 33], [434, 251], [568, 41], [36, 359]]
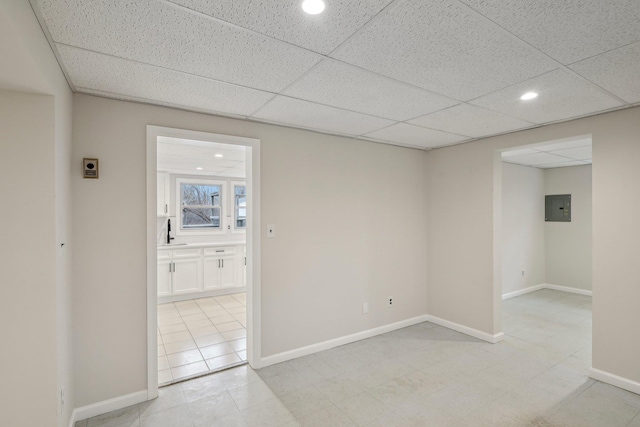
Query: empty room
[[320, 213]]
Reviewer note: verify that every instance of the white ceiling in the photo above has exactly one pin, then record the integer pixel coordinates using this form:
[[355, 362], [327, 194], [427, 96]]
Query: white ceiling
[[185, 156], [407, 72], [570, 152]]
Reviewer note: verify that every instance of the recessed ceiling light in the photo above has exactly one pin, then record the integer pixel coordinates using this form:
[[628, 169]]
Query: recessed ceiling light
[[199, 168], [219, 155], [313, 7], [529, 95]]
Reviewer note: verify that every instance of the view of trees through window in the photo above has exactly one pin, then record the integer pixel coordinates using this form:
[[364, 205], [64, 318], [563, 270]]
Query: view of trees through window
[[201, 205], [241, 206]]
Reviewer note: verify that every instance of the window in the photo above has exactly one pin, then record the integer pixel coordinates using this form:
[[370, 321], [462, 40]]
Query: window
[[240, 206], [200, 204]]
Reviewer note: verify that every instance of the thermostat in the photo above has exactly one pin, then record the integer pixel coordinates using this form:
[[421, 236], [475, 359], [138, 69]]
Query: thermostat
[[90, 168]]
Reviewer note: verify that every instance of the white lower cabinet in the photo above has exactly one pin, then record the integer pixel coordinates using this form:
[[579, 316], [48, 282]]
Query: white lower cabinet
[[183, 271], [186, 274], [165, 269], [220, 267]]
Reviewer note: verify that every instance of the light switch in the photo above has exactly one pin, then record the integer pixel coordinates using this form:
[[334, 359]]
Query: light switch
[[271, 230]]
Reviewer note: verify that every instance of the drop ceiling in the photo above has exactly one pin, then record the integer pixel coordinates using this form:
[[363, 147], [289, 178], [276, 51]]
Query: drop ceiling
[[570, 152], [415, 73], [189, 157]]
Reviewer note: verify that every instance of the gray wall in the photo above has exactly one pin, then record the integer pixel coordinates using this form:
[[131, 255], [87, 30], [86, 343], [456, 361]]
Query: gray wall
[[568, 244], [350, 219], [523, 227], [462, 274], [38, 160]]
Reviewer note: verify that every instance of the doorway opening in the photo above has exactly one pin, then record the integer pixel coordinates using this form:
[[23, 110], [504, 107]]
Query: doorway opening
[[545, 263], [203, 254]]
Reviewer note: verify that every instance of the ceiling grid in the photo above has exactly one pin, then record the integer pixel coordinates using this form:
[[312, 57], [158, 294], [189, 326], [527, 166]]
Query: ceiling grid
[[403, 72]]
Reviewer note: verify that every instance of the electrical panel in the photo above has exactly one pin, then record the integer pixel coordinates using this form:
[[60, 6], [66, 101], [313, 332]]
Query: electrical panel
[[557, 208]]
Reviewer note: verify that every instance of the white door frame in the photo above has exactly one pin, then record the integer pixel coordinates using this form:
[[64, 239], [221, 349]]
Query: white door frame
[[254, 351]]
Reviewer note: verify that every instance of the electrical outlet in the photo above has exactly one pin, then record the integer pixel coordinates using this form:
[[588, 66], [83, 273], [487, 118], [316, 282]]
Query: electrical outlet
[[523, 272], [365, 308], [390, 302], [62, 399]]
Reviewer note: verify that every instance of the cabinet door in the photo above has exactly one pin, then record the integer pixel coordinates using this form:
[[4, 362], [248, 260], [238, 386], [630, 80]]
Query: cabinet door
[[164, 277], [228, 271], [163, 194], [211, 273], [186, 276]]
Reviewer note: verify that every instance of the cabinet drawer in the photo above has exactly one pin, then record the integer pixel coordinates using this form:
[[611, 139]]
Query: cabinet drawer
[[164, 255], [219, 251], [186, 253]]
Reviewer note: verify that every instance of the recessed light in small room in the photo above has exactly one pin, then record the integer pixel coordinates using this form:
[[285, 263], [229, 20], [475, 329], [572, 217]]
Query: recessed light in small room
[[219, 155], [199, 168], [529, 95], [313, 7]]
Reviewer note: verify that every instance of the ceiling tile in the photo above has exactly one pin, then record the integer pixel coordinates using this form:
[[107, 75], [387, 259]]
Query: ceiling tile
[[286, 21], [568, 30], [469, 120], [406, 134], [562, 165], [118, 76], [574, 143], [580, 153], [562, 96], [617, 71], [171, 37], [442, 46], [536, 159], [341, 85], [306, 114], [521, 152]]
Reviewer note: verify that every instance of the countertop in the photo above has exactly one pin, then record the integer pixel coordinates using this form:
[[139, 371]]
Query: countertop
[[199, 245]]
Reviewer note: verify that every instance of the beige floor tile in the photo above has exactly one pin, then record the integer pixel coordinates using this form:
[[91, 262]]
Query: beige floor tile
[[225, 318], [216, 350], [239, 345], [163, 363], [169, 329], [235, 334], [242, 354], [230, 326], [195, 324], [223, 361], [175, 337], [189, 370], [164, 376], [179, 346], [200, 332], [184, 358], [208, 340]]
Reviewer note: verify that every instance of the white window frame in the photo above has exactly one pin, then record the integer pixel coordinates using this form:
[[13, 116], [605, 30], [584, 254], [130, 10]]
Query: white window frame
[[232, 206], [199, 231]]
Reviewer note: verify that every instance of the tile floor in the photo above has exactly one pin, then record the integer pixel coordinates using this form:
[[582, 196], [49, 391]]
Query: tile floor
[[201, 335], [423, 375]]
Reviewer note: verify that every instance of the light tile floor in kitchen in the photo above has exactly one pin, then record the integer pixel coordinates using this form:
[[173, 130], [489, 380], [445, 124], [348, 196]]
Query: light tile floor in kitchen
[[201, 335], [423, 375]]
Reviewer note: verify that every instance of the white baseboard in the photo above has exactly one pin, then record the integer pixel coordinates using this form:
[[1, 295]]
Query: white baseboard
[[568, 289], [105, 406], [546, 286], [484, 336], [522, 291], [347, 339], [615, 380]]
